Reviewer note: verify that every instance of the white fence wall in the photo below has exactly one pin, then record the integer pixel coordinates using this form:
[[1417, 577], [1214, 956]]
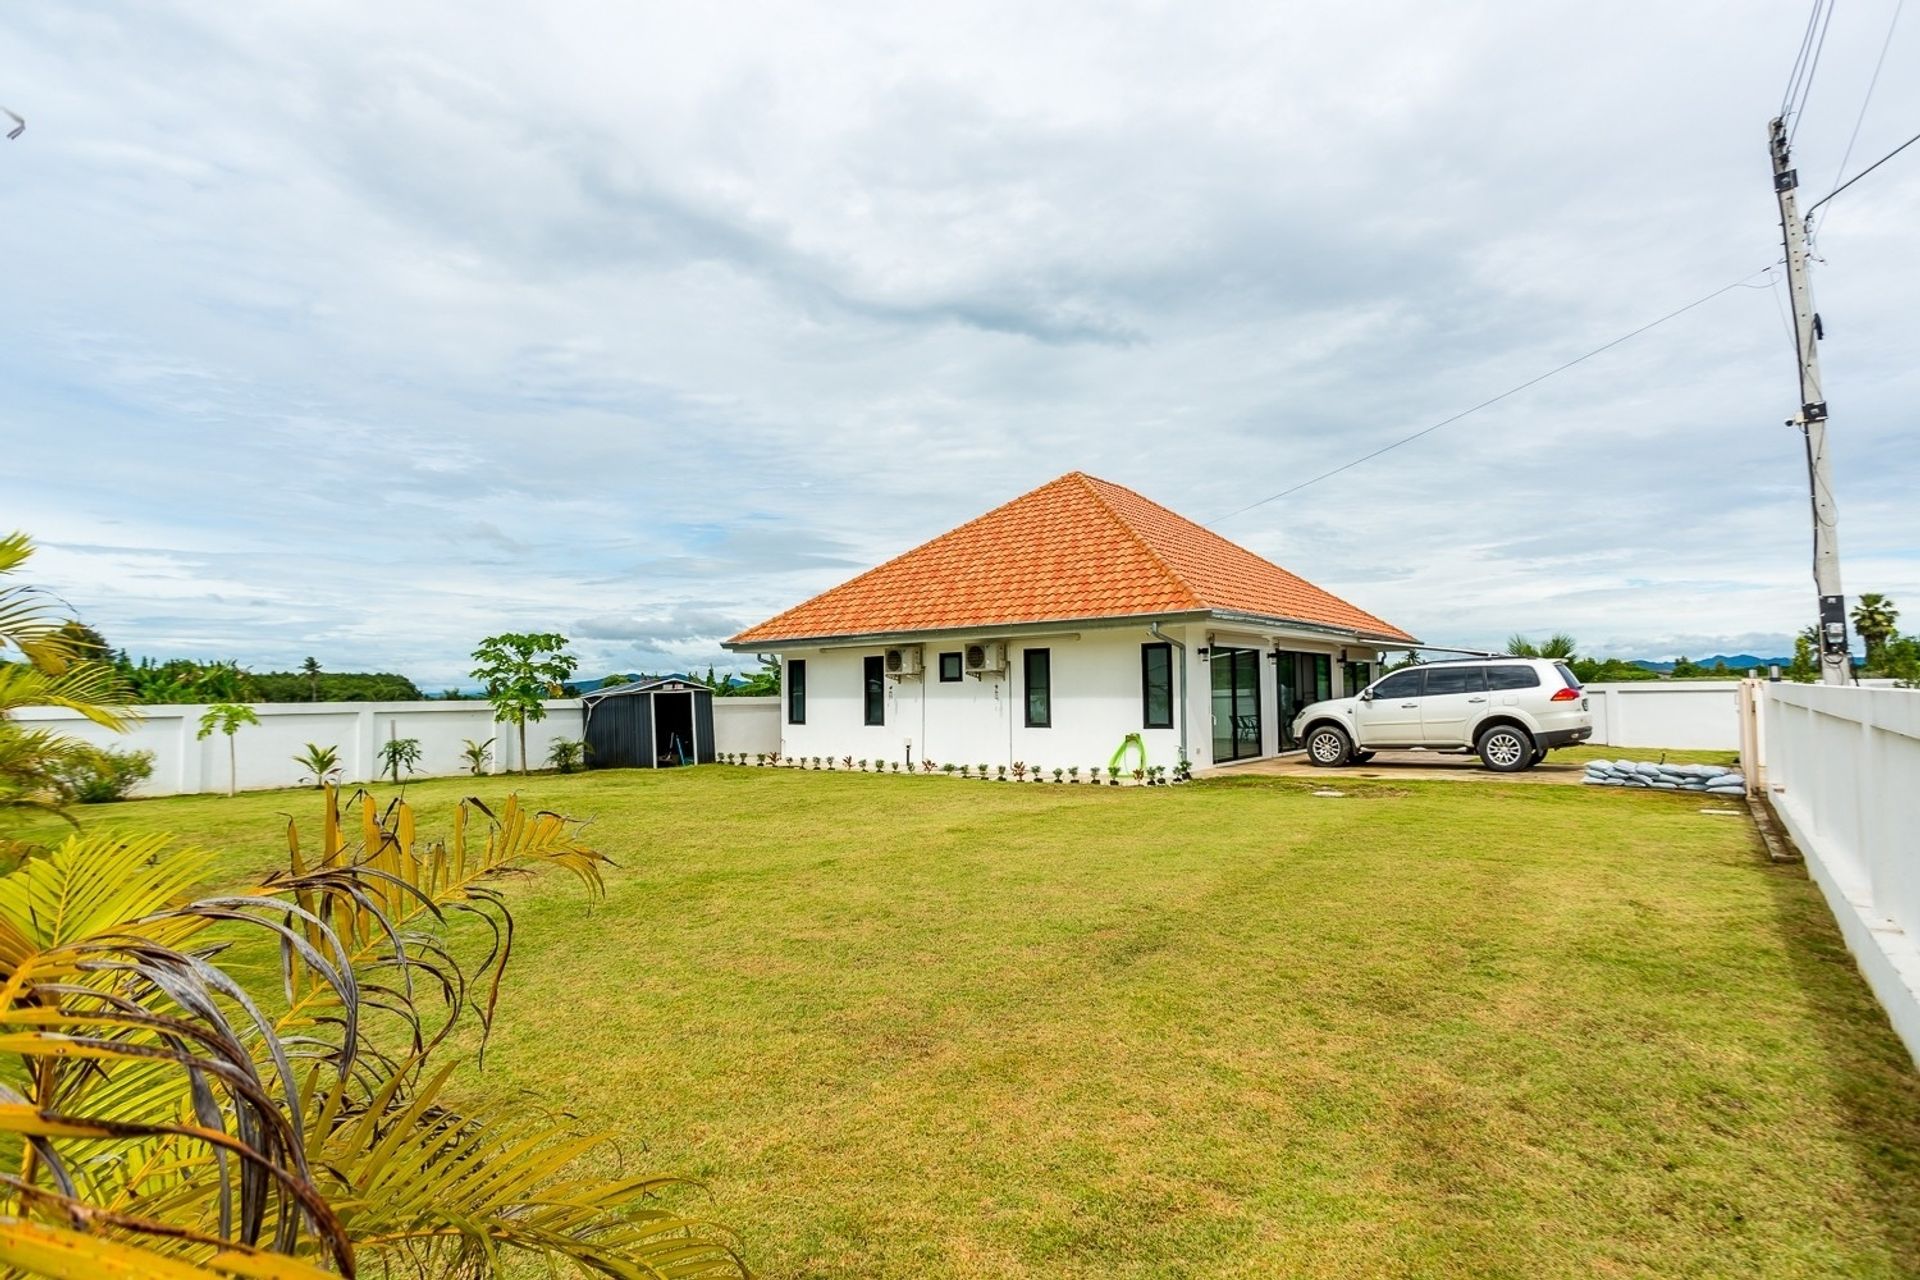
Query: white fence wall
[[187, 765], [1843, 772], [1698, 715]]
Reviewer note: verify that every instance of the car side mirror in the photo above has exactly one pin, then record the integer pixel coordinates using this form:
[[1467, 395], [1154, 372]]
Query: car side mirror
[[1366, 695]]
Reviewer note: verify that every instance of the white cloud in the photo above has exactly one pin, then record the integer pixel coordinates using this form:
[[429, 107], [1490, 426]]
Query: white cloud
[[378, 328]]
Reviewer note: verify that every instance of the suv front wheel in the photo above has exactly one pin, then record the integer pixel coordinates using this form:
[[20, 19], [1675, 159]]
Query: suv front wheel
[[1329, 746], [1505, 749]]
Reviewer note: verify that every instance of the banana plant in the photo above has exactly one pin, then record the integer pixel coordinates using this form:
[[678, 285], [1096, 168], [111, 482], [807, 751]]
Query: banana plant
[[163, 1118]]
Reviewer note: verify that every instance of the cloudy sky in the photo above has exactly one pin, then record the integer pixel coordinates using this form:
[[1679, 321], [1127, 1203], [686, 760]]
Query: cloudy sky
[[362, 331]]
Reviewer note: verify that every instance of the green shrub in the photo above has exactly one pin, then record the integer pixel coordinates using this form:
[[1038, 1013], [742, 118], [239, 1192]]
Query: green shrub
[[566, 754], [99, 775]]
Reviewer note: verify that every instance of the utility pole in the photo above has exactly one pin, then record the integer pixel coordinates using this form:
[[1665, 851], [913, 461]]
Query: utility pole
[[1836, 666]]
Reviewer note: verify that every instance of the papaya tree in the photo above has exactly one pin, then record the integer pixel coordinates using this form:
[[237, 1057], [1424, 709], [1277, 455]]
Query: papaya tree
[[520, 671]]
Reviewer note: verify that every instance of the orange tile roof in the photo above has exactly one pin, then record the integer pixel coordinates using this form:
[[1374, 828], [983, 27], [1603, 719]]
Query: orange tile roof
[[1075, 549]]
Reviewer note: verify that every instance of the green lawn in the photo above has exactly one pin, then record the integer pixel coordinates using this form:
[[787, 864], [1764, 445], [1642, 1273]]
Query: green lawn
[[911, 1027]]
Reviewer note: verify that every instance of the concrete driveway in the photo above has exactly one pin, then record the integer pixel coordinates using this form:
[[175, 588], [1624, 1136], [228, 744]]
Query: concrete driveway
[[1411, 765]]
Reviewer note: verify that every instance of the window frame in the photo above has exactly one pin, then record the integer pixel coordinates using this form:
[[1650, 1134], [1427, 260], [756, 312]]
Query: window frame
[[796, 690], [959, 667], [873, 690], [1419, 691], [1475, 680], [1027, 657], [1147, 653]]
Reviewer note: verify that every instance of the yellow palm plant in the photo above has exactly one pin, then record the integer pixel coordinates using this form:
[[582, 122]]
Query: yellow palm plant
[[159, 1118], [53, 670]]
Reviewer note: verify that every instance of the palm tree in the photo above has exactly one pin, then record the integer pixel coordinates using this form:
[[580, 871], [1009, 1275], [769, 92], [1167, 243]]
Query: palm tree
[[1559, 646], [59, 668], [311, 670], [163, 1119], [59, 664], [1874, 620]]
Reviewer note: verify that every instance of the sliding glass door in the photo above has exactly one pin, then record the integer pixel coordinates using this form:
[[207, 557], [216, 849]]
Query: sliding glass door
[[1300, 679], [1236, 703]]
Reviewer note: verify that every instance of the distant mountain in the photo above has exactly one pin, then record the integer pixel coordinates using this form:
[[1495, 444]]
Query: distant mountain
[[1734, 661]]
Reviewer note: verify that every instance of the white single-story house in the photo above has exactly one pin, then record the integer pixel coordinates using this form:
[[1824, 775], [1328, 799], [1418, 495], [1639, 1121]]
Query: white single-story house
[[1050, 629]]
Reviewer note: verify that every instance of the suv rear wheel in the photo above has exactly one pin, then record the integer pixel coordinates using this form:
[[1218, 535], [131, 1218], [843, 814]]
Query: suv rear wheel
[[1329, 746], [1505, 749]]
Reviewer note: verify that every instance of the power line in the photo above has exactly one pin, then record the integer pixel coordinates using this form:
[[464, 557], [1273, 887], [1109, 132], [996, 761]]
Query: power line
[[1800, 79], [1878, 63], [1510, 391], [1863, 173], [1806, 89]]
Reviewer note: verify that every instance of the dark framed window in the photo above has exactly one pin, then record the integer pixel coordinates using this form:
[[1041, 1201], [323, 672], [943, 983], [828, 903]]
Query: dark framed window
[[1401, 684], [876, 689], [1512, 677], [1038, 666], [797, 691], [1156, 686], [949, 668], [1451, 679]]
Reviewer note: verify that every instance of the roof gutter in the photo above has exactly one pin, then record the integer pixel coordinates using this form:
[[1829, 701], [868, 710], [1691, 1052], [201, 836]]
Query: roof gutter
[[1153, 629]]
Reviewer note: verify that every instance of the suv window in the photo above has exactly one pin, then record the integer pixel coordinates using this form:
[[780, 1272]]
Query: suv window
[[1513, 677], [1464, 679], [1566, 673], [1401, 684]]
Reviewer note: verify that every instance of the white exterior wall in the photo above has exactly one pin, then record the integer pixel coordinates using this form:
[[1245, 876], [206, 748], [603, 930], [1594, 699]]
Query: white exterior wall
[[185, 765], [1842, 764], [1097, 702]]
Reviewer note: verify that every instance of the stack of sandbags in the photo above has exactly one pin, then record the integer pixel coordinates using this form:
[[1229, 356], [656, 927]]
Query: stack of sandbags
[[1710, 778]]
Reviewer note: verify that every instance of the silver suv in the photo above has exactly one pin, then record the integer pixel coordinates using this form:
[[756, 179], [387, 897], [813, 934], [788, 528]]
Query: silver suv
[[1510, 710]]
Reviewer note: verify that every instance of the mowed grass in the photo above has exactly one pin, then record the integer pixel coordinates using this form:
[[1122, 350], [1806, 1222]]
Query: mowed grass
[[919, 1027]]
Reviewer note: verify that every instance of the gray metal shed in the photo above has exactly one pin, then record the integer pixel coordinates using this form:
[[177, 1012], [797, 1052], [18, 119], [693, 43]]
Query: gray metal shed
[[651, 724]]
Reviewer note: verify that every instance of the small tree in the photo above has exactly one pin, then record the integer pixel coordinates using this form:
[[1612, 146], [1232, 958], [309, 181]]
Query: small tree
[[227, 717], [395, 752], [520, 671], [322, 764], [478, 755]]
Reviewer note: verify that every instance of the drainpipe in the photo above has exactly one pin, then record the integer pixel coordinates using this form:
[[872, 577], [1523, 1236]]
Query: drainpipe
[[1153, 629]]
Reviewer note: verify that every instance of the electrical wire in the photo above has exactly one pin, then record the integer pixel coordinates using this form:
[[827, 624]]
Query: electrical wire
[[1878, 63], [1806, 89], [1863, 173], [1801, 77], [1510, 391]]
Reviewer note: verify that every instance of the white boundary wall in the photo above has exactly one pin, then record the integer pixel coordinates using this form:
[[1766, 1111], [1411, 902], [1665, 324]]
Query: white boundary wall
[[1698, 715], [1843, 772], [187, 765]]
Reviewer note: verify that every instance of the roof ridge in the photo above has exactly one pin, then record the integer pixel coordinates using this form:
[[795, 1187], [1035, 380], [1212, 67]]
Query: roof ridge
[[919, 546], [1092, 485]]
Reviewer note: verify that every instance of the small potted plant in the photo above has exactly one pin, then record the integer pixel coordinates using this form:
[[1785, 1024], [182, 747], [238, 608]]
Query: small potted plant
[[896, 766], [965, 770], [1139, 776], [1001, 775], [1073, 775], [1058, 774], [1019, 771], [1183, 770], [928, 766], [863, 766], [1113, 775], [816, 764]]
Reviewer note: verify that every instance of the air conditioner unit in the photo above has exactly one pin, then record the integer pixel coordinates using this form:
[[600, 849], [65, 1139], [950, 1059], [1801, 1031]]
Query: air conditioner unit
[[904, 661], [986, 658]]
